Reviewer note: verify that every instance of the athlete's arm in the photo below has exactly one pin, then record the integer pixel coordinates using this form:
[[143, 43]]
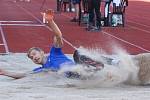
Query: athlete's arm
[[12, 74], [58, 42]]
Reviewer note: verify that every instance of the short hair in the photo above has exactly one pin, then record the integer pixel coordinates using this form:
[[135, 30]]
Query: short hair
[[33, 48]]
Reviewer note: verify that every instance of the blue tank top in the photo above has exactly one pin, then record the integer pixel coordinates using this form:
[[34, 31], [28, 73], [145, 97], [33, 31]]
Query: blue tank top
[[55, 60]]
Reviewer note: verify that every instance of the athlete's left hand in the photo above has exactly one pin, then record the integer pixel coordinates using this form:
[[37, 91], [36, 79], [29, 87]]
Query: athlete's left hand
[[2, 72]]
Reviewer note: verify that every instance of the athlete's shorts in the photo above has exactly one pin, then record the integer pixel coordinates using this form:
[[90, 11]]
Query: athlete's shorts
[[76, 1]]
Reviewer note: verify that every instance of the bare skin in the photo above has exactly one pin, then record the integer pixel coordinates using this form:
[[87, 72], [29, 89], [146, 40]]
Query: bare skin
[[38, 57], [12, 74]]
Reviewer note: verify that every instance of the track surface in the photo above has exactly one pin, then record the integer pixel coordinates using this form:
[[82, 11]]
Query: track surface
[[27, 30]]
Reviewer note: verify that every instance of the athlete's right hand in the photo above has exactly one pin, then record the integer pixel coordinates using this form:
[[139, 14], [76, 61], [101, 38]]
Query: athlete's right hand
[[48, 14]]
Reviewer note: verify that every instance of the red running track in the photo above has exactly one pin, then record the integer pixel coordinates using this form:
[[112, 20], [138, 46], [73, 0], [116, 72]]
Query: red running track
[[19, 36]]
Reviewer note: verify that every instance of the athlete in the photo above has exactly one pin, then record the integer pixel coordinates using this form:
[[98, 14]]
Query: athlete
[[56, 59]]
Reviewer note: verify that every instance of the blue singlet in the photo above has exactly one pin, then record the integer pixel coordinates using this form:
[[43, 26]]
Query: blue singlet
[[55, 60]]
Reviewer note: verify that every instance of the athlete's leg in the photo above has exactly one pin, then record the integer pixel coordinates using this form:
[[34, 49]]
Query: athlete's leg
[[82, 59]]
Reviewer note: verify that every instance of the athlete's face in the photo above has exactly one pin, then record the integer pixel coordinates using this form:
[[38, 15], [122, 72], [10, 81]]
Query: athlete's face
[[36, 56]]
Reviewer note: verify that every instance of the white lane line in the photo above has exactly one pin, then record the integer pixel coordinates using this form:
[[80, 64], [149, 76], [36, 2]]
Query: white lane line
[[139, 47], [22, 25], [4, 40], [15, 21], [137, 16], [102, 31], [133, 27], [28, 12], [136, 28], [126, 41], [138, 23]]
